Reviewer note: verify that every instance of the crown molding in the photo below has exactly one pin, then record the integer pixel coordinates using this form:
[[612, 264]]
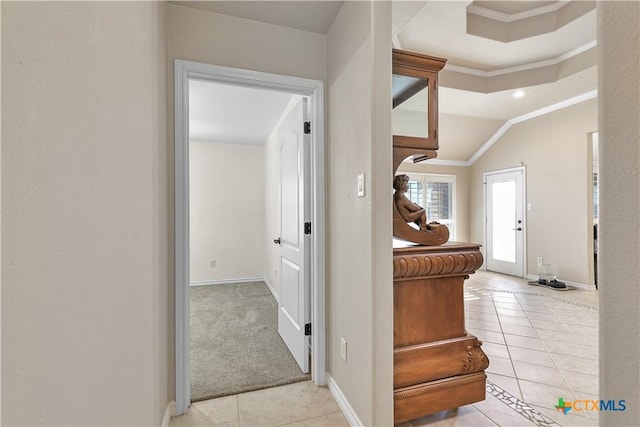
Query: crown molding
[[440, 162], [506, 125], [524, 67], [395, 42], [503, 27], [532, 115], [506, 17]]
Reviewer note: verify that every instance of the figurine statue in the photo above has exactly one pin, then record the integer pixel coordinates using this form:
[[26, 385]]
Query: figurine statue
[[408, 210]]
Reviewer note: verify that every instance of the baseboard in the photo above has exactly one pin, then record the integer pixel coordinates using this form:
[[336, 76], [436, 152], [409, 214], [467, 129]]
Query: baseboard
[[168, 413], [218, 282], [582, 286], [245, 280], [343, 403], [273, 292]]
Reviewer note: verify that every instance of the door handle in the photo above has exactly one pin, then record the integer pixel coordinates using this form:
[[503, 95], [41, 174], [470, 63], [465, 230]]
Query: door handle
[[517, 229], [277, 241]]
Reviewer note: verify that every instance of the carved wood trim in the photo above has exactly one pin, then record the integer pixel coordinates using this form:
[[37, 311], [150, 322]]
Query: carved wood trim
[[439, 385], [401, 153], [420, 61], [436, 264], [411, 142], [476, 360], [435, 360]]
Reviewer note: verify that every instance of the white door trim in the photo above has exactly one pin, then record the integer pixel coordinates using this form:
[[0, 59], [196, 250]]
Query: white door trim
[[314, 89], [524, 212]]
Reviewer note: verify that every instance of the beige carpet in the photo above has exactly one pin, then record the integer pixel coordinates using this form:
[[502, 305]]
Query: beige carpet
[[235, 346]]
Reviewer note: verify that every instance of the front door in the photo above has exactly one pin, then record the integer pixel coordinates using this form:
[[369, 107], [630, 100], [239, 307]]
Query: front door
[[293, 307], [504, 206]]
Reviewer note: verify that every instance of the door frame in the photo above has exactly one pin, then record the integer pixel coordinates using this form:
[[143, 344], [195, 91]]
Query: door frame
[[593, 141], [523, 169], [314, 89]]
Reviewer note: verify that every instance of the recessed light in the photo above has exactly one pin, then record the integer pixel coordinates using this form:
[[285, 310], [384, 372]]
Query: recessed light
[[519, 93]]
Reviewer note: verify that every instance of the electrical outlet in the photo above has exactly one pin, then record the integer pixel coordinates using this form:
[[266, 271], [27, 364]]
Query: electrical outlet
[[540, 260], [276, 273], [343, 349], [212, 264]]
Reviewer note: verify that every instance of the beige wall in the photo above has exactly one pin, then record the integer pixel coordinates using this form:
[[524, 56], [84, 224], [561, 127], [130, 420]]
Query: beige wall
[[196, 35], [462, 191], [619, 136], [227, 211], [359, 228], [381, 181], [85, 283], [554, 149]]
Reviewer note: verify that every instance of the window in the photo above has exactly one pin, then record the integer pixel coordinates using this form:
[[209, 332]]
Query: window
[[437, 194]]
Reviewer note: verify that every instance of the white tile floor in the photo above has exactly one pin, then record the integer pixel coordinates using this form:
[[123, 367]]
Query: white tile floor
[[542, 345], [298, 404]]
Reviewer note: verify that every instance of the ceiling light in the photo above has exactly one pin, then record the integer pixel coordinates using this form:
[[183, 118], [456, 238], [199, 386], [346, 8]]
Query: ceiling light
[[519, 93]]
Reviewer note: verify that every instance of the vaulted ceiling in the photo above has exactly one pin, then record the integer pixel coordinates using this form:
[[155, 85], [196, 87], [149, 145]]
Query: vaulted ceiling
[[546, 50]]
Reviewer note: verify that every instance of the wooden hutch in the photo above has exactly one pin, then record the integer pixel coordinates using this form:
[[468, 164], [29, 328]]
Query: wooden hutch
[[437, 364]]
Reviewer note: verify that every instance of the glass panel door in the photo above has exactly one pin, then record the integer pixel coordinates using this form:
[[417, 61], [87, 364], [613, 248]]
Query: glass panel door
[[505, 225], [504, 218]]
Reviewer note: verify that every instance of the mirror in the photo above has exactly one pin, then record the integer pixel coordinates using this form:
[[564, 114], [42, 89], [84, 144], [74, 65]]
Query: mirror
[[410, 106], [415, 101]]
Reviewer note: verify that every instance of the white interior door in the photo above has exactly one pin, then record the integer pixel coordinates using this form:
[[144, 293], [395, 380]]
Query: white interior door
[[505, 231], [293, 308]]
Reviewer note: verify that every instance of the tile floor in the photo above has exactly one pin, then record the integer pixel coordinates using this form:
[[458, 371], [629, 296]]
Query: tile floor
[[542, 345], [298, 404]]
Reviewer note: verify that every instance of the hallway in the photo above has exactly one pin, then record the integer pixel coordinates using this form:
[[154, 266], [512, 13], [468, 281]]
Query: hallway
[[542, 345]]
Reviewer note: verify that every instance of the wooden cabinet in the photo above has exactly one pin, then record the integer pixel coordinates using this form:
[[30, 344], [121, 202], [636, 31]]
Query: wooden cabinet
[[437, 364], [415, 104], [415, 128]]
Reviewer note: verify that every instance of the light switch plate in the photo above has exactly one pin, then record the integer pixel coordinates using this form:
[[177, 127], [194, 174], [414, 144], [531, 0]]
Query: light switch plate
[[361, 185], [343, 349]]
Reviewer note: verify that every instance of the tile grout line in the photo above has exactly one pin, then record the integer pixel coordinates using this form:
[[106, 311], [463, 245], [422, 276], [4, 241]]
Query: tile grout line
[[553, 312], [552, 297], [520, 406], [545, 345], [309, 419], [490, 385], [487, 416], [561, 371], [515, 373]]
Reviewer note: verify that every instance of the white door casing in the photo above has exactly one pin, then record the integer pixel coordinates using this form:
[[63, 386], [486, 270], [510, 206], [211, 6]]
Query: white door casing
[[314, 90], [293, 306], [505, 221]]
